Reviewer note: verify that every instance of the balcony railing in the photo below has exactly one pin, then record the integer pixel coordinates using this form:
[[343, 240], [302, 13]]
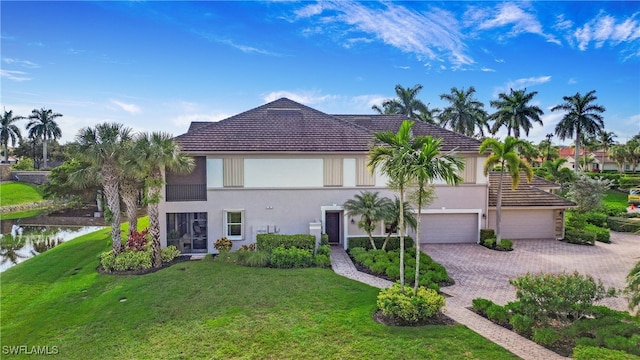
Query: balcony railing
[[191, 192]]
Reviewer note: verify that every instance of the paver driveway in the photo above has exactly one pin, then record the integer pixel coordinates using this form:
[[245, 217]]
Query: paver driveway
[[480, 272]]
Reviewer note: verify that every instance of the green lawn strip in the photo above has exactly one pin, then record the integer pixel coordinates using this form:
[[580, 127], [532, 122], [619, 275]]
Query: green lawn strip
[[615, 197], [208, 309], [21, 214], [13, 193]]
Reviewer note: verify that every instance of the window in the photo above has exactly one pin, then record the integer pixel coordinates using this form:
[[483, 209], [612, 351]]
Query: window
[[233, 224]]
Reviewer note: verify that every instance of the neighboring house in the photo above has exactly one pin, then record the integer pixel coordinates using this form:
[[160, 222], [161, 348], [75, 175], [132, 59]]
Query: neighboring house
[[286, 168], [10, 160], [594, 159]]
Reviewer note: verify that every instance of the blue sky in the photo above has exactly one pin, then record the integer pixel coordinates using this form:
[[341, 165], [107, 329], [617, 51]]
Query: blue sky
[[161, 65]]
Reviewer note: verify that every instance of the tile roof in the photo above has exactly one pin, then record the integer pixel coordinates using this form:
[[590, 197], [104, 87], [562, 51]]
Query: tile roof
[[285, 125], [526, 194]]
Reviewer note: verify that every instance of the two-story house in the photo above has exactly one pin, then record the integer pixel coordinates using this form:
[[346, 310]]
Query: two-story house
[[286, 168]]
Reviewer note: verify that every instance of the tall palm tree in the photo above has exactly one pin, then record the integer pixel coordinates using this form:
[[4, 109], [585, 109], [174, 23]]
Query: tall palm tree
[[103, 146], [607, 140], [405, 104], [158, 153], [430, 165], [9, 131], [42, 124], [394, 155], [130, 184], [515, 113], [505, 155], [464, 113], [371, 208], [581, 116], [633, 153]]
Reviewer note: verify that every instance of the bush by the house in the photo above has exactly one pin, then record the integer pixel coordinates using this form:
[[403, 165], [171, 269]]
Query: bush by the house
[[407, 306], [322, 261], [323, 250], [393, 244], [223, 244], [133, 260], [579, 236], [481, 305], [169, 253], [505, 244], [487, 234], [324, 239], [582, 352], [138, 240], [381, 262], [596, 218], [491, 243], [286, 258], [269, 242], [249, 247], [602, 234], [623, 225]]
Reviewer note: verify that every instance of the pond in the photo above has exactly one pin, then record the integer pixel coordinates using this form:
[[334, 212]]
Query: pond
[[19, 243]]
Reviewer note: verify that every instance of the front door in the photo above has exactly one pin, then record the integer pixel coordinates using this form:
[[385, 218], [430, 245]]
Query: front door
[[332, 227]]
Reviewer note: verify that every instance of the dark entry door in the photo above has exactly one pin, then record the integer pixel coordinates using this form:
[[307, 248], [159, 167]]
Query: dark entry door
[[332, 227]]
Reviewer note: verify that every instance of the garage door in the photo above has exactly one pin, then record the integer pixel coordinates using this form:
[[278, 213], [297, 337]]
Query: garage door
[[525, 224], [449, 228]]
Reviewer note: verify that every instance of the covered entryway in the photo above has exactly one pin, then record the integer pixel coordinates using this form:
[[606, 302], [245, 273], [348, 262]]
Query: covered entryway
[[449, 228], [527, 223]]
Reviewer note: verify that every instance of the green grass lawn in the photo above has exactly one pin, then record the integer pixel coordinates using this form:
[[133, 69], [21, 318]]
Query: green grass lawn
[[206, 309], [615, 197], [13, 193]]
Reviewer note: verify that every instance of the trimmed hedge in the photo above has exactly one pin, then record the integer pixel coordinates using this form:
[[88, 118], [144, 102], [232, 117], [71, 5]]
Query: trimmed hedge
[[596, 218], [623, 224], [393, 244], [269, 242], [487, 234], [602, 235], [579, 236], [627, 182]]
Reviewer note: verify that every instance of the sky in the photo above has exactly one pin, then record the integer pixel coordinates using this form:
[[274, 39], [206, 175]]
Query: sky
[[157, 66]]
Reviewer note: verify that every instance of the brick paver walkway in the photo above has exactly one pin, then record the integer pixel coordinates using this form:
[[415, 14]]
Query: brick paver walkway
[[480, 272]]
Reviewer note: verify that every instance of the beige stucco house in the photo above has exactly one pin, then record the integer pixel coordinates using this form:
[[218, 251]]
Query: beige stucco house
[[286, 168]]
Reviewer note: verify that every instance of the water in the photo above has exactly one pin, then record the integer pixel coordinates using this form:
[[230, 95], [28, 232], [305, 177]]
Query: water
[[18, 245]]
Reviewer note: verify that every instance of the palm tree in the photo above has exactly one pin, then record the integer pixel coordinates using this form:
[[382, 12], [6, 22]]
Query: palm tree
[[103, 146], [515, 112], [633, 286], [582, 116], [394, 155], [619, 154], [557, 172], [607, 140], [430, 165], [392, 219], [42, 124], [9, 131], [130, 184], [633, 153], [371, 209], [506, 156], [405, 104], [464, 113], [549, 136], [158, 153]]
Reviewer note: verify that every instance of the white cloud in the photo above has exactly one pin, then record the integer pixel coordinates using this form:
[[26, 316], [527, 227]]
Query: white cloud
[[130, 108], [485, 69], [247, 49], [14, 75], [605, 28], [24, 63], [521, 83], [429, 35], [572, 81], [303, 97]]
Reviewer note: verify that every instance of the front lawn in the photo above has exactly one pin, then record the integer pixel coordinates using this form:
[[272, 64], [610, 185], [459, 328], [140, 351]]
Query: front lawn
[[207, 309], [13, 193], [615, 197]]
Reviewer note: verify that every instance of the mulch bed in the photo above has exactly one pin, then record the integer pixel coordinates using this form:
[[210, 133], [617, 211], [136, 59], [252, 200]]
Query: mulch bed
[[178, 259], [366, 270], [440, 319]]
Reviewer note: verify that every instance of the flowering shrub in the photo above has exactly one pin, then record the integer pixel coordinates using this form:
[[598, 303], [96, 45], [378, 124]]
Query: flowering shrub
[[138, 240], [223, 244], [405, 305], [250, 247]]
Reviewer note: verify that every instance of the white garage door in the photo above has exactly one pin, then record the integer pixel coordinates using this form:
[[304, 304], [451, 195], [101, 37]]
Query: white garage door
[[449, 228], [525, 224]]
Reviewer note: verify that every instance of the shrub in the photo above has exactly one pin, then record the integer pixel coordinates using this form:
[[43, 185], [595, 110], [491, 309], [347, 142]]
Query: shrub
[[498, 314], [481, 305], [293, 257], [257, 259], [523, 324], [138, 240], [614, 209], [107, 260], [25, 164], [393, 271], [576, 219], [562, 295], [630, 345], [601, 234], [582, 352], [627, 182], [132, 260], [487, 234], [393, 244], [579, 236], [223, 244], [545, 336], [324, 250], [490, 243], [322, 261], [505, 244], [623, 225], [169, 253], [324, 239], [269, 242], [596, 218], [405, 305], [250, 247]]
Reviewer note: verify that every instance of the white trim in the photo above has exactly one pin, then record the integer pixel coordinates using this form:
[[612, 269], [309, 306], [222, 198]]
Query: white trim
[[334, 207], [456, 211], [225, 224]]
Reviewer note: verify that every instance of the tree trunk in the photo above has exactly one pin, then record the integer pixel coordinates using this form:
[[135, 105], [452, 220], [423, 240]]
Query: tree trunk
[[44, 152], [110, 185], [153, 198], [401, 233], [129, 190], [373, 244], [6, 151], [386, 240], [417, 242], [499, 206], [577, 155]]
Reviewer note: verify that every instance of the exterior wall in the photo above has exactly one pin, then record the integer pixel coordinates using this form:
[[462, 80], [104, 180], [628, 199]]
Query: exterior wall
[[525, 223], [292, 210], [197, 176]]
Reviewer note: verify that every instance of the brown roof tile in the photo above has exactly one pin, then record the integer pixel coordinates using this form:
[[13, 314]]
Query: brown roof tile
[[526, 194]]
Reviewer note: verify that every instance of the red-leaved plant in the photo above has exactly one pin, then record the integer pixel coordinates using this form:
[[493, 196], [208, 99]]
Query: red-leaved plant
[[138, 240]]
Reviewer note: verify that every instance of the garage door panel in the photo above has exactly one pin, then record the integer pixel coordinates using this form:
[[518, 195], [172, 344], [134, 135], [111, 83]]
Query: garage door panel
[[525, 224], [448, 228]]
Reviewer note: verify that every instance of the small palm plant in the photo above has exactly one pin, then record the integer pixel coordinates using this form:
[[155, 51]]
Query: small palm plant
[[371, 208]]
